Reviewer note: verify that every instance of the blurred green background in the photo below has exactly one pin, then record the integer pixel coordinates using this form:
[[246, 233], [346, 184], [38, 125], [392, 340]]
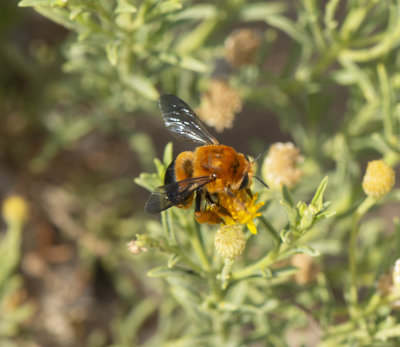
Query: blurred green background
[[79, 83]]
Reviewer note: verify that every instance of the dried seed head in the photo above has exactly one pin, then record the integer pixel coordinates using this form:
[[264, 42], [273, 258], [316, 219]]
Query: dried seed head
[[218, 106], [241, 47], [280, 165], [308, 269], [378, 180], [15, 210], [230, 241]]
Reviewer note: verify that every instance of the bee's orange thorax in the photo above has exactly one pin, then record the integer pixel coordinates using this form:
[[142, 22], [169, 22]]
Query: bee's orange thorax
[[223, 161]]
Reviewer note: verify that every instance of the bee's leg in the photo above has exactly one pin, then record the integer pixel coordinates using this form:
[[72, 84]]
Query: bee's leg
[[223, 210], [248, 191], [229, 192], [198, 201], [209, 198], [205, 216]]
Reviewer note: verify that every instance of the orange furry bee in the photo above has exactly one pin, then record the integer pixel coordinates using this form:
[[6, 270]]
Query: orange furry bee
[[209, 170]]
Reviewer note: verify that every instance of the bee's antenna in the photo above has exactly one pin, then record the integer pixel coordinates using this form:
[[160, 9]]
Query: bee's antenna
[[257, 157], [261, 181]]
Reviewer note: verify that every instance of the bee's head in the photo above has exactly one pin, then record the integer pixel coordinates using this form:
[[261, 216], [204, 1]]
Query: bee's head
[[246, 181]]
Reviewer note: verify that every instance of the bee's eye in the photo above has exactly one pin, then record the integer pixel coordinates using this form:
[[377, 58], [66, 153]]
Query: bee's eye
[[245, 181]]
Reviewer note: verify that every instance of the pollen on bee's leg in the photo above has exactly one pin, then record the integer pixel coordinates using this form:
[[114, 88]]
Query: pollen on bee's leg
[[229, 192], [207, 217]]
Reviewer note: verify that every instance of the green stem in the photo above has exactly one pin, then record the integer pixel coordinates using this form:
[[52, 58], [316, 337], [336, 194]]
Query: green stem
[[168, 226], [313, 16], [386, 96], [196, 268], [260, 265], [198, 246], [391, 158], [361, 210], [226, 273]]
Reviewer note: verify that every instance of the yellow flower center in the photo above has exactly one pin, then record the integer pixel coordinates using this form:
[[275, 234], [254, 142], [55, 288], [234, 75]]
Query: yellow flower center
[[241, 208]]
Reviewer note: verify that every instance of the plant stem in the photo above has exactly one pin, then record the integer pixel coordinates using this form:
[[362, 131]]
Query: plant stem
[[226, 273], [198, 246], [361, 210], [168, 226], [260, 265]]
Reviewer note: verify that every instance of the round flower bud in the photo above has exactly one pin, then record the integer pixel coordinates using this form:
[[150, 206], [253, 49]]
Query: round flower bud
[[241, 47], [15, 210], [280, 165], [230, 241], [378, 180], [219, 105]]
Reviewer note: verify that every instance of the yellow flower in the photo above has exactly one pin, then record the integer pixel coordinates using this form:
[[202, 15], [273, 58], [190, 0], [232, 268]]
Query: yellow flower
[[230, 241], [241, 46], [15, 210], [242, 209], [280, 165], [219, 105], [378, 180]]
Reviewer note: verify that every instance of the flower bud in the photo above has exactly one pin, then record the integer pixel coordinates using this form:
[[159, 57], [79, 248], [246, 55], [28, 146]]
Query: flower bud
[[241, 47], [134, 247], [219, 106], [378, 180], [280, 165], [15, 210], [230, 241]]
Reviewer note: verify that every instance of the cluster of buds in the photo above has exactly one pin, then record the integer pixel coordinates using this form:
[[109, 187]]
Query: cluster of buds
[[219, 105]]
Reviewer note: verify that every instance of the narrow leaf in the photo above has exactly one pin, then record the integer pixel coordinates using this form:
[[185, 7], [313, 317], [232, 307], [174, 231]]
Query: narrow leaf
[[317, 200]]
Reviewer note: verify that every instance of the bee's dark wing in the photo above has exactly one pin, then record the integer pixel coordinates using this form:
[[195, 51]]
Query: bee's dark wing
[[174, 193], [182, 122]]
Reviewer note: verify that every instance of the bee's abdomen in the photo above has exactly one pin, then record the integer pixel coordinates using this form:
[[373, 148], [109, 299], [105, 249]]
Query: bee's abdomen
[[184, 166]]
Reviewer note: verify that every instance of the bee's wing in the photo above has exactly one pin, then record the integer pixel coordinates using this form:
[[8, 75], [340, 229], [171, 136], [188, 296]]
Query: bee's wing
[[182, 122], [174, 193]]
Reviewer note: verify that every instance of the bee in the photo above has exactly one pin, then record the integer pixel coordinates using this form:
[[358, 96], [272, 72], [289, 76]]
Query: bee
[[200, 175]]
